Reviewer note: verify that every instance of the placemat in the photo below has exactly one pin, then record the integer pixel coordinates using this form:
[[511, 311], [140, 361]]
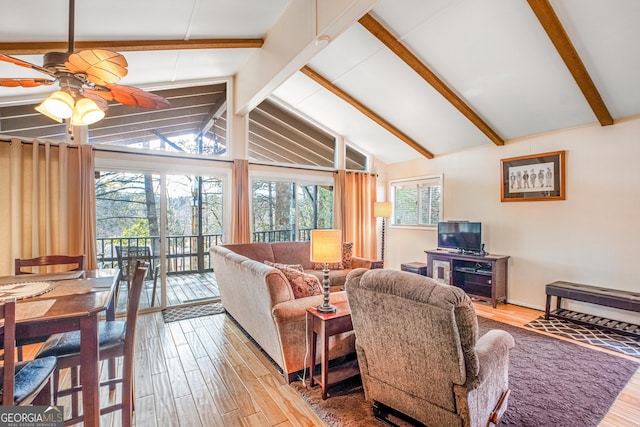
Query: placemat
[[74, 288], [44, 277], [24, 290]]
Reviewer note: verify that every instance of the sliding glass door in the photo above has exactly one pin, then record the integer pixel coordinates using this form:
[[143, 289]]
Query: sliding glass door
[[128, 228], [194, 224], [167, 220]]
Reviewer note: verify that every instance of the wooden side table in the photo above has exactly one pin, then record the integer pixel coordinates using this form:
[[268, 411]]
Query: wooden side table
[[325, 325], [377, 263]]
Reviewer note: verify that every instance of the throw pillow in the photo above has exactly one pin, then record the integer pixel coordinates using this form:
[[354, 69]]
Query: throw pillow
[[302, 284], [347, 249], [297, 267]]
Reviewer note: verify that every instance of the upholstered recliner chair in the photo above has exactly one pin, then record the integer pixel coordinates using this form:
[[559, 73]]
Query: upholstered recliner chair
[[419, 353]]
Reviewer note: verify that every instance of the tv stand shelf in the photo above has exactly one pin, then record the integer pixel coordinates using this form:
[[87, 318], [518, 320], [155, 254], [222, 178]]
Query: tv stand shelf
[[481, 276]]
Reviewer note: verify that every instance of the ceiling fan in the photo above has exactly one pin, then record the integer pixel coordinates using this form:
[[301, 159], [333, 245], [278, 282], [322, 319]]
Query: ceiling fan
[[87, 82]]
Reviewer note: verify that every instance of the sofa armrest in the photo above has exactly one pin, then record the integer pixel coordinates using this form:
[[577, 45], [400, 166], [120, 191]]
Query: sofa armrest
[[358, 262], [296, 308], [290, 319]]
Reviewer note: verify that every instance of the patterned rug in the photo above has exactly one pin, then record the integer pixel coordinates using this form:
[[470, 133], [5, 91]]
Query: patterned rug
[[182, 313], [625, 344]]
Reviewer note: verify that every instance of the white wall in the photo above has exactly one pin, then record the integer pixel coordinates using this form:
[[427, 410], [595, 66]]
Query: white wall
[[592, 237]]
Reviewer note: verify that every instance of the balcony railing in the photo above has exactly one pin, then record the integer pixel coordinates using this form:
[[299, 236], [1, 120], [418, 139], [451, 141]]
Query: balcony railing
[[185, 254]]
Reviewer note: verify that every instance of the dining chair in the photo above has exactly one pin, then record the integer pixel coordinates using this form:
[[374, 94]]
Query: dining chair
[[76, 261], [49, 260], [116, 339], [23, 383], [128, 256]]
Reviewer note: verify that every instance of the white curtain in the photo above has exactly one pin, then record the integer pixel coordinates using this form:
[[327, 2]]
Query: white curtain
[[44, 207]]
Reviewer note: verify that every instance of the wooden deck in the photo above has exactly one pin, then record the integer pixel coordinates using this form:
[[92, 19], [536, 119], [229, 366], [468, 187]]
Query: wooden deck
[[181, 289]]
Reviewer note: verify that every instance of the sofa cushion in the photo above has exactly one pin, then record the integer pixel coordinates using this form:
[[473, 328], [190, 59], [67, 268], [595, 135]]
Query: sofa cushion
[[297, 267], [302, 284], [292, 253], [256, 251]]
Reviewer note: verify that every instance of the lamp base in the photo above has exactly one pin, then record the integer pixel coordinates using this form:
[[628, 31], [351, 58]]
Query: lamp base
[[326, 308]]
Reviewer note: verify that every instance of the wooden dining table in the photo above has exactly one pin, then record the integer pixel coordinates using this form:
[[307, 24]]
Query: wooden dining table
[[74, 301]]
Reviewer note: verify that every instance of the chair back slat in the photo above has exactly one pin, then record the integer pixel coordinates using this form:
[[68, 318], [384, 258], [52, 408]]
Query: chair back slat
[[49, 260], [135, 293], [8, 314]]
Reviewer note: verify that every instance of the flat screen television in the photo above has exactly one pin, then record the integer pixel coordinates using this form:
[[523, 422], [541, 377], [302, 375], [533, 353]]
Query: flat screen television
[[464, 236]]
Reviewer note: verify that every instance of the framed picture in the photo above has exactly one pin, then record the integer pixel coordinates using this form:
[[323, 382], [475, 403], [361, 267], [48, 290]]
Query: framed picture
[[532, 178]]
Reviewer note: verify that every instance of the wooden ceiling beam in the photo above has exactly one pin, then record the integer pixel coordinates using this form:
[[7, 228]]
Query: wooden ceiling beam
[[393, 44], [33, 48], [365, 110], [560, 39]]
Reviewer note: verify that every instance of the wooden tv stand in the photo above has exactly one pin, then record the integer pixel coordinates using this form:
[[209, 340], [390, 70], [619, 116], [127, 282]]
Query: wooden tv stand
[[481, 277]]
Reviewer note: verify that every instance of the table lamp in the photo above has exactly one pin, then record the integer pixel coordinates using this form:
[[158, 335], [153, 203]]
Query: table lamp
[[326, 247], [382, 210]]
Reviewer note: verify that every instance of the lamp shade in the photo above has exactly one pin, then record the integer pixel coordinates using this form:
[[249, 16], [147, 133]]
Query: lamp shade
[[382, 209], [326, 246], [86, 112], [58, 106]]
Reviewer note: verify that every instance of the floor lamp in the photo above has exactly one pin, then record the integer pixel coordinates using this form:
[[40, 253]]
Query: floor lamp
[[382, 210]]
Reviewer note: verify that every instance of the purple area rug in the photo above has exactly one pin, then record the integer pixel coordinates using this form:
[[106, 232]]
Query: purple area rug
[[553, 383]]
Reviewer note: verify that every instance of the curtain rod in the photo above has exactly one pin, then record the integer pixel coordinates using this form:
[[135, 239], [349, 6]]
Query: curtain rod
[[156, 154], [36, 141]]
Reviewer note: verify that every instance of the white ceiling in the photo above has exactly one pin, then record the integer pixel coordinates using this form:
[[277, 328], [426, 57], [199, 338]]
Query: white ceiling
[[494, 54]]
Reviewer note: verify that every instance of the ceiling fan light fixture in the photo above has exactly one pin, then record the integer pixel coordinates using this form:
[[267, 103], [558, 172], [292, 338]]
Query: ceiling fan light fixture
[[86, 112], [59, 104], [43, 110]]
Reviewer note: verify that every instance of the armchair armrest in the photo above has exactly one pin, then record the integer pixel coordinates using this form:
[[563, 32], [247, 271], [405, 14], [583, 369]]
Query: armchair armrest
[[492, 350]]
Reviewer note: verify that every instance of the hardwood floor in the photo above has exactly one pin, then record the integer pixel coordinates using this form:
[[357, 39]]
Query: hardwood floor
[[205, 372]]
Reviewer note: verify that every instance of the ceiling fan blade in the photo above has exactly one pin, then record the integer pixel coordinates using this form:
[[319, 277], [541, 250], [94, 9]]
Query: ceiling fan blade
[[25, 64], [25, 82], [101, 66], [135, 97], [98, 92], [98, 98]]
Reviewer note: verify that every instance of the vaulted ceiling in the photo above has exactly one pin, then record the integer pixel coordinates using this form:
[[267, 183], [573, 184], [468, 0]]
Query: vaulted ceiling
[[408, 79]]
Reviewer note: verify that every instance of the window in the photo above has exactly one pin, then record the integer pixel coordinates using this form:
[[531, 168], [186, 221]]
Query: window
[[417, 201], [195, 124], [287, 210], [280, 137], [355, 160]]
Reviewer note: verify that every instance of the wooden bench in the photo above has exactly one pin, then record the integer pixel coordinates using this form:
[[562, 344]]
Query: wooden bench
[[624, 300]]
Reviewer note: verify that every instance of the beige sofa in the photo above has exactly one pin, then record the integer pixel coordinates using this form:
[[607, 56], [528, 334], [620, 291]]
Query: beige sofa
[[260, 299], [298, 253]]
